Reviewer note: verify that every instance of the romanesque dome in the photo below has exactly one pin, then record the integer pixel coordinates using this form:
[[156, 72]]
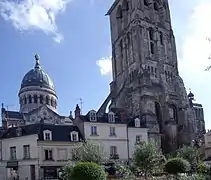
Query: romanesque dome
[[37, 77]]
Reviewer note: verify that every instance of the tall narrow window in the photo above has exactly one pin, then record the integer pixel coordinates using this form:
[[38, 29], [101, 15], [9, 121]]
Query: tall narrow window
[[113, 150], [35, 98], [41, 99], [92, 116], [93, 130], [112, 131], [26, 151], [151, 41], [48, 154], [119, 19], [25, 100], [30, 99], [161, 38], [47, 100], [152, 48], [13, 153], [47, 136]]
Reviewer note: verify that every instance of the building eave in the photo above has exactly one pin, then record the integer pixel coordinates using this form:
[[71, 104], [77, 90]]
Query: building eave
[[112, 7]]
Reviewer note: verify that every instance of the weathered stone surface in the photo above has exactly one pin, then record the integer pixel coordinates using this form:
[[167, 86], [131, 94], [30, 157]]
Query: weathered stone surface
[[146, 81]]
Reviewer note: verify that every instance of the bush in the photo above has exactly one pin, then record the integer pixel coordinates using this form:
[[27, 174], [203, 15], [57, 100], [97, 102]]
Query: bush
[[88, 171], [202, 168], [177, 165]]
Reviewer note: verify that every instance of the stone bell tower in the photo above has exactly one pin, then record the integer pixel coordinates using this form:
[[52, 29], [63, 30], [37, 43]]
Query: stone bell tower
[[146, 82]]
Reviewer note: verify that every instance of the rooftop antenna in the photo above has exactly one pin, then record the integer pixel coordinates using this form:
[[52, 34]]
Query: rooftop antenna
[[81, 104]]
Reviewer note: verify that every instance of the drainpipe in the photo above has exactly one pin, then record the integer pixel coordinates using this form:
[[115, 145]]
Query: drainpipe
[[128, 153]]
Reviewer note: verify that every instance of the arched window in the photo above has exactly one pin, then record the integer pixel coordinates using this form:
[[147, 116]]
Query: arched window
[[35, 98], [30, 99], [151, 40], [161, 38], [25, 100], [151, 34], [41, 99], [47, 100], [52, 102], [172, 113], [55, 103]]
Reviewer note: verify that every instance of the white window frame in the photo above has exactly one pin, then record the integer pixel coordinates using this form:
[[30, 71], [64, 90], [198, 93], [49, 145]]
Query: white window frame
[[137, 123], [92, 132], [112, 131], [92, 115], [49, 159], [113, 150], [72, 134], [13, 153], [111, 117], [45, 134], [26, 151]]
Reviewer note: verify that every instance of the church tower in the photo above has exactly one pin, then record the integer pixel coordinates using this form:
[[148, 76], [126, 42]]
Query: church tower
[[146, 82]]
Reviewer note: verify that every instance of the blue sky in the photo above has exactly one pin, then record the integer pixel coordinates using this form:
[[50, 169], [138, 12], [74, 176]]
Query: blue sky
[[73, 41]]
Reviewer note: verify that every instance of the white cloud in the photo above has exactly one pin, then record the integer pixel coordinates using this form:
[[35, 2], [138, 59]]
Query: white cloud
[[196, 48], [105, 66], [34, 14]]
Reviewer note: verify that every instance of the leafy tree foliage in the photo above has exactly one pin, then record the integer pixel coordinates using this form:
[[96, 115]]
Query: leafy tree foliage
[[88, 171], [203, 169], [89, 152], [66, 172], [146, 157], [191, 154], [177, 165]]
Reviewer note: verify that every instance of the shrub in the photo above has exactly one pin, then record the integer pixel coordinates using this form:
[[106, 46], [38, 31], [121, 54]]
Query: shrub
[[88, 171], [202, 168], [177, 165]]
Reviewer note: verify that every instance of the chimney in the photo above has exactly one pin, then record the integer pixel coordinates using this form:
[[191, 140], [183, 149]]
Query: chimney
[[77, 111]]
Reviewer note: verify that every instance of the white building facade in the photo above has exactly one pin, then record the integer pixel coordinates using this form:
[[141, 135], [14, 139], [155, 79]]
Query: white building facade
[[34, 156], [118, 137]]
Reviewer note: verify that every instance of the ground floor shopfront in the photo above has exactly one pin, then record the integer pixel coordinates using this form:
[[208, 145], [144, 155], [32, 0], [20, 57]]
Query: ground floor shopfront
[[21, 170]]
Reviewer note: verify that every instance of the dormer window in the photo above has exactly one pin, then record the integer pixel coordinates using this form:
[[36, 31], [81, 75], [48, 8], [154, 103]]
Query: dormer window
[[137, 123], [47, 135], [111, 117], [74, 136], [92, 115]]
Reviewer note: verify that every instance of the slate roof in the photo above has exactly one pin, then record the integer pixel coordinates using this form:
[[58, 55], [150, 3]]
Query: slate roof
[[59, 132], [13, 114], [104, 119], [101, 119]]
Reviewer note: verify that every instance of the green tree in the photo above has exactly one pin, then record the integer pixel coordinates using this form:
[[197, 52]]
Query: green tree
[[89, 152], [146, 157], [191, 154], [88, 171], [203, 169], [177, 165], [65, 172]]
